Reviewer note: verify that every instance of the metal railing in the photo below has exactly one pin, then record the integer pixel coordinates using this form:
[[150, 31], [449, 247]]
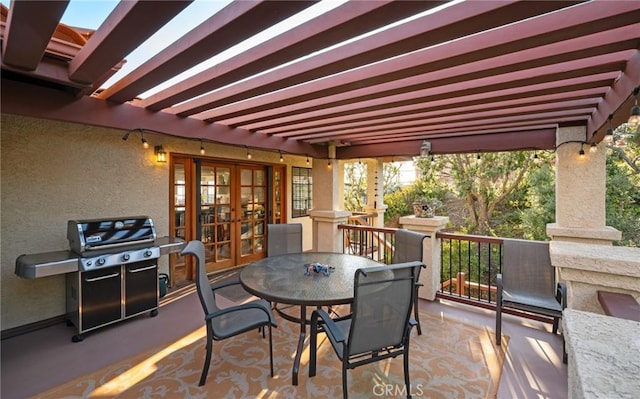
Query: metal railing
[[469, 263], [372, 242], [468, 268]]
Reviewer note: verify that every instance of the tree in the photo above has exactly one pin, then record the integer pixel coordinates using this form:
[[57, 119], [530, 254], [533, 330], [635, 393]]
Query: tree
[[483, 181], [355, 190]]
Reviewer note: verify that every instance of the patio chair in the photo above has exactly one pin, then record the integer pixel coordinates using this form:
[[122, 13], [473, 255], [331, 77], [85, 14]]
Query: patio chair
[[379, 326], [284, 239], [408, 247], [528, 283], [230, 321]]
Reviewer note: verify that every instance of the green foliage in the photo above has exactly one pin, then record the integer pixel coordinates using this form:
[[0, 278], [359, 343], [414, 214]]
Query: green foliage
[[539, 200], [623, 201], [399, 203], [515, 197], [355, 190]]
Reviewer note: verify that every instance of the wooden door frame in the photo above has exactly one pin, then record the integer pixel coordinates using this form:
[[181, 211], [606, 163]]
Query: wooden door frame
[[190, 197]]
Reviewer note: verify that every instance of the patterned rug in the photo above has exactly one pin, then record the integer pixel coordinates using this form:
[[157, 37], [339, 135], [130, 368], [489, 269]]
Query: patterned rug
[[450, 359]]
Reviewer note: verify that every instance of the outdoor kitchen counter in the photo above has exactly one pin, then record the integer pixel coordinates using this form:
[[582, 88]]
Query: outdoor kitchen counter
[[604, 355]]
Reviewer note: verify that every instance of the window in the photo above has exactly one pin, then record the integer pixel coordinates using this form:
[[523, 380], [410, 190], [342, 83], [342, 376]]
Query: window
[[302, 187]]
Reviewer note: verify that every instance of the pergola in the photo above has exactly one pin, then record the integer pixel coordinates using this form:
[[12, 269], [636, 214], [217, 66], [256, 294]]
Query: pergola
[[372, 78]]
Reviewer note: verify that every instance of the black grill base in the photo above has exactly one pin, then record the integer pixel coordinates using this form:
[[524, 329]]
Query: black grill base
[[105, 296]]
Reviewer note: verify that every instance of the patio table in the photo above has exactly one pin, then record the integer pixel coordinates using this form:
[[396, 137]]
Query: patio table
[[282, 279]]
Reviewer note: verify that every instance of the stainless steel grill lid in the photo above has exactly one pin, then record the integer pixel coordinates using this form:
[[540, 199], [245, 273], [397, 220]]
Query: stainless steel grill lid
[[98, 234]]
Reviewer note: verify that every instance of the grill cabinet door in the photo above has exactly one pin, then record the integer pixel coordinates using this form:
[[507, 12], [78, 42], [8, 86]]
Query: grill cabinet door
[[141, 287], [101, 297]]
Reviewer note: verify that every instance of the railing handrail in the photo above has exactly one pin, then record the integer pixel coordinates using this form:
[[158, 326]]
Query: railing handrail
[[390, 230], [470, 237]]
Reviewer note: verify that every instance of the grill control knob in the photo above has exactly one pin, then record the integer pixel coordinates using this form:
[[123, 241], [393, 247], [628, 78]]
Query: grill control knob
[[101, 261], [147, 253], [126, 257]]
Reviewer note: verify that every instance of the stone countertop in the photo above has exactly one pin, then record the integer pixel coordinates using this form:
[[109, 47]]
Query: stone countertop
[[604, 355]]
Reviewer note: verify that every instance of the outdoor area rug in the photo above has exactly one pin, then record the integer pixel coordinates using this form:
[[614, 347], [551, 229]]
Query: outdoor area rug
[[451, 359]]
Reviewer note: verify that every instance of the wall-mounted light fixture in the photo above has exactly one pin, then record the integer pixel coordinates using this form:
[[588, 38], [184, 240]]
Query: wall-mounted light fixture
[[307, 159], [329, 163], [161, 155], [634, 117], [202, 151], [425, 148]]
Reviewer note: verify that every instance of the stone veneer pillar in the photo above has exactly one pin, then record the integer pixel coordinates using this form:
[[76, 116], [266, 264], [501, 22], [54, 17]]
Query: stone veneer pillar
[[582, 249], [580, 191], [327, 204], [429, 277]]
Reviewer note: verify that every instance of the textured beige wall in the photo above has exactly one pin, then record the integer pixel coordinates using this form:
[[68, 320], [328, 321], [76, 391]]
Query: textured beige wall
[[52, 172]]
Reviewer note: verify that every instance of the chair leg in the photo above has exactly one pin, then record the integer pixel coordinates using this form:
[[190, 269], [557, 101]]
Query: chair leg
[[270, 349], [556, 322], [498, 323], [313, 341], [416, 313], [407, 381], [345, 393], [207, 359]]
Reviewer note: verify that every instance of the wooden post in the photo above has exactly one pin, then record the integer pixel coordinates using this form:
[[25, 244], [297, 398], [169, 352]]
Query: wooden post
[[460, 283]]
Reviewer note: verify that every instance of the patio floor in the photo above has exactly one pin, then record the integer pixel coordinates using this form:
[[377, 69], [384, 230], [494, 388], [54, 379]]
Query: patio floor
[[34, 362]]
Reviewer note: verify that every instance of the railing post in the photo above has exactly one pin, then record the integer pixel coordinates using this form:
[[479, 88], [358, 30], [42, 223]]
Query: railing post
[[460, 283], [430, 277]]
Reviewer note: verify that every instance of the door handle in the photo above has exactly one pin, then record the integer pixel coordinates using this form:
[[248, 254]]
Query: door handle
[[142, 269], [90, 280]]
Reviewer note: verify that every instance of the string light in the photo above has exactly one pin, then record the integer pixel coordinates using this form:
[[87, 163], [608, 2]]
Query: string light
[[634, 117], [281, 158], [201, 148], [581, 153], [248, 153], [307, 159], [145, 143]]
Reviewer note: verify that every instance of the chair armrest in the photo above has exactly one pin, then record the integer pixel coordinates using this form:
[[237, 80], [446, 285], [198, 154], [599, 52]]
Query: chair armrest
[[243, 307], [223, 284], [561, 295], [328, 324]]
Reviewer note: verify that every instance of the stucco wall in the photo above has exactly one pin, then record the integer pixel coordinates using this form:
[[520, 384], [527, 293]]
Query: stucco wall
[[52, 172]]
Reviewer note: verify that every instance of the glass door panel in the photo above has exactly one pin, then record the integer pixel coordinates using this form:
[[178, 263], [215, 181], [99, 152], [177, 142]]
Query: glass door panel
[[253, 209], [215, 215], [179, 270]]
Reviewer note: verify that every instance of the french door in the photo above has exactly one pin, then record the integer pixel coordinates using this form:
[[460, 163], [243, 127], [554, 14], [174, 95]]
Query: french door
[[227, 207]]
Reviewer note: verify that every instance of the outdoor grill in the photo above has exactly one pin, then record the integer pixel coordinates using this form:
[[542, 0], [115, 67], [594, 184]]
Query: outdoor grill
[[111, 269]]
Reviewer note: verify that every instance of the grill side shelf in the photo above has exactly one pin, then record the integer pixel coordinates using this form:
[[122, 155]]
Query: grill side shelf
[[46, 264], [169, 245]]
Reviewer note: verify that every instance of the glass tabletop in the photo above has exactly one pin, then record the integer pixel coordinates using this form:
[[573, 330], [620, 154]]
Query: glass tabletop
[[282, 278]]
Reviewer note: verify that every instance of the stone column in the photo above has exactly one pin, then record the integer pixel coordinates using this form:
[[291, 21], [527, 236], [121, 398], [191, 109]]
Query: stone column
[[328, 203], [579, 233], [580, 191], [431, 256]]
